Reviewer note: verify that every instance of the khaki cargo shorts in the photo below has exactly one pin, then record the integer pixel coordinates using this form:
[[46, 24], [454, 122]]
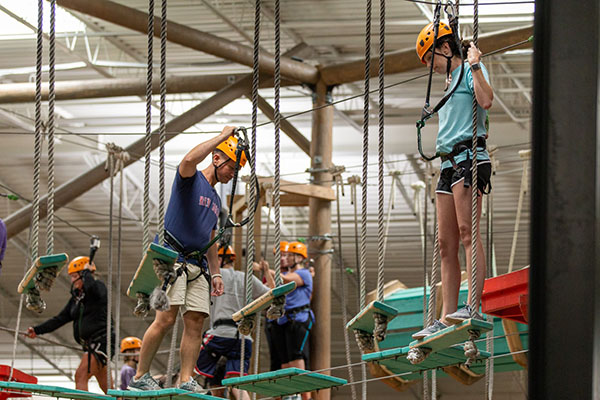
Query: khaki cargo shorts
[[194, 295]]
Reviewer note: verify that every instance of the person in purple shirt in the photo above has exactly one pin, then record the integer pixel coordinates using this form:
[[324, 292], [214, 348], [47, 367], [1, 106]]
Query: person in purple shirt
[[2, 242], [290, 333], [130, 344]]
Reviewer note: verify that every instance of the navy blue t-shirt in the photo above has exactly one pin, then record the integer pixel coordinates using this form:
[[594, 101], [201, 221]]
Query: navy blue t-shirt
[[193, 211]]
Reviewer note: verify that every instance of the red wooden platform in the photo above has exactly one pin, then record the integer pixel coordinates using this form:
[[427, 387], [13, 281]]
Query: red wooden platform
[[17, 376], [507, 296]]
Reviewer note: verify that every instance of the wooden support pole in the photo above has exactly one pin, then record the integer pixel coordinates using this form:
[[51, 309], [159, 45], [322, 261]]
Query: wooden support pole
[[320, 224]]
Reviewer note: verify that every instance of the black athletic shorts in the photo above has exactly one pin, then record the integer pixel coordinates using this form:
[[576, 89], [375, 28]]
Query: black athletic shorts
[[452, 176], [290, 340]]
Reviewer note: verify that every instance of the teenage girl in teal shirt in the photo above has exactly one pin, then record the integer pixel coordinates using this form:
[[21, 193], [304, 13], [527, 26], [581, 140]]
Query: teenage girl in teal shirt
[[453, 193]]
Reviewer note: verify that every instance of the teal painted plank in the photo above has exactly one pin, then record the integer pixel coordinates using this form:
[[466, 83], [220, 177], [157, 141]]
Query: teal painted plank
[[54, 391], [171, 393], [412, 321], [145, 279], [364, 319], [41, 263], [283, 382]]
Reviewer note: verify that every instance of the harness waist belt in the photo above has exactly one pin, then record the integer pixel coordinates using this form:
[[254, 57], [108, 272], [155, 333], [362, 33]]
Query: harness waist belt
[[190, 257], [227, 322], [296, 310], [462, 146]]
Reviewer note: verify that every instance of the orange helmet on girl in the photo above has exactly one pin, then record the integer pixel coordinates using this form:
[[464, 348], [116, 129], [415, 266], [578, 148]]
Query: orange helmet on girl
[[131, 342], [283, 246], [425, 38], [298, 248]]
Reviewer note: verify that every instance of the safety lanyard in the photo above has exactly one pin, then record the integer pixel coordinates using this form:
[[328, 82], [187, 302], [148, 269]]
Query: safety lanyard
[[427, 112]]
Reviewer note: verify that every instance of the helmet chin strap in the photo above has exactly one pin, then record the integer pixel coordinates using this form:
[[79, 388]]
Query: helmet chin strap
[[448, 72], [216, 167]]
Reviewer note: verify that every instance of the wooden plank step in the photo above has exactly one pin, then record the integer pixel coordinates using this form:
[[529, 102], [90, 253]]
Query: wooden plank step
[[395, 359], [284, 382], [364, 319], [170, 393], [452, 335], [263, 301], [40, 264], [145, 279]]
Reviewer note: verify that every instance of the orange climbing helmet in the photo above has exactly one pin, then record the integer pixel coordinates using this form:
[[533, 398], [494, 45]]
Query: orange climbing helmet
[[229, 146], [298, 248], [226, 252], [78, 264], [283, 246], [131, 342], [425, 38]]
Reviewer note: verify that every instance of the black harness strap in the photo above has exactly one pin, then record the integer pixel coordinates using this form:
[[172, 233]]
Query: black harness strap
[[459, 148]]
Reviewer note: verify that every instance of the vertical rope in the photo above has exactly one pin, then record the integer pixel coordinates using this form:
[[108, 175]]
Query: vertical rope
[[474, 300], [380, 233], [362, 266], [119, 251], [148, 137], [343, 290], [162, 137], [35, 226], [51, 97], [171, 361], [111, 172], [277, 123], [250, 254]]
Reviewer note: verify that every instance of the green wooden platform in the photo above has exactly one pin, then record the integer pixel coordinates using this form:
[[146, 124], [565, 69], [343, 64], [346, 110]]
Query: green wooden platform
[[395, 360], [171, 393], [364, 319], [53, 391], [145, 279], [284, 382], [452, 335], [263, 301], [40, 264]]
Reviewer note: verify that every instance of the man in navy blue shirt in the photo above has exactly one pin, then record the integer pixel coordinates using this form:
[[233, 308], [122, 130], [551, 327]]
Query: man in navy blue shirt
[[190, 222]]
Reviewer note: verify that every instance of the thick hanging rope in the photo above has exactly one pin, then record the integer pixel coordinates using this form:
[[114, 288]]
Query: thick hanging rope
[[51, 98], [148, 137], [248, 324], [365, 341], [162, 136], [338, 183], [474, 300], [380, 320], [277, 125], [115, 162], [38, 134]]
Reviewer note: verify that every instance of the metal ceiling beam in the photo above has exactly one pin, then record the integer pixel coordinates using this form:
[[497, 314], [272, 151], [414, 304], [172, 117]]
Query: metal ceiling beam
[[406, 60], [75, 187], [137, 20], [98, 88]]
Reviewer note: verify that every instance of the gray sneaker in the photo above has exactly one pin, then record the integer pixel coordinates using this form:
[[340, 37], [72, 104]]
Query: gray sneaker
[[191, 386], [462, 314], [430, 330], [146, 382]]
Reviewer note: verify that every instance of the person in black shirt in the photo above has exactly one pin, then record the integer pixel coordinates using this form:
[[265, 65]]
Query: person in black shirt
[[87, 309]]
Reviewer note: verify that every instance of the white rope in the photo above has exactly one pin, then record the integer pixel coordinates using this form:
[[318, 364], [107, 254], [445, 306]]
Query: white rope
[[524, 154]]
